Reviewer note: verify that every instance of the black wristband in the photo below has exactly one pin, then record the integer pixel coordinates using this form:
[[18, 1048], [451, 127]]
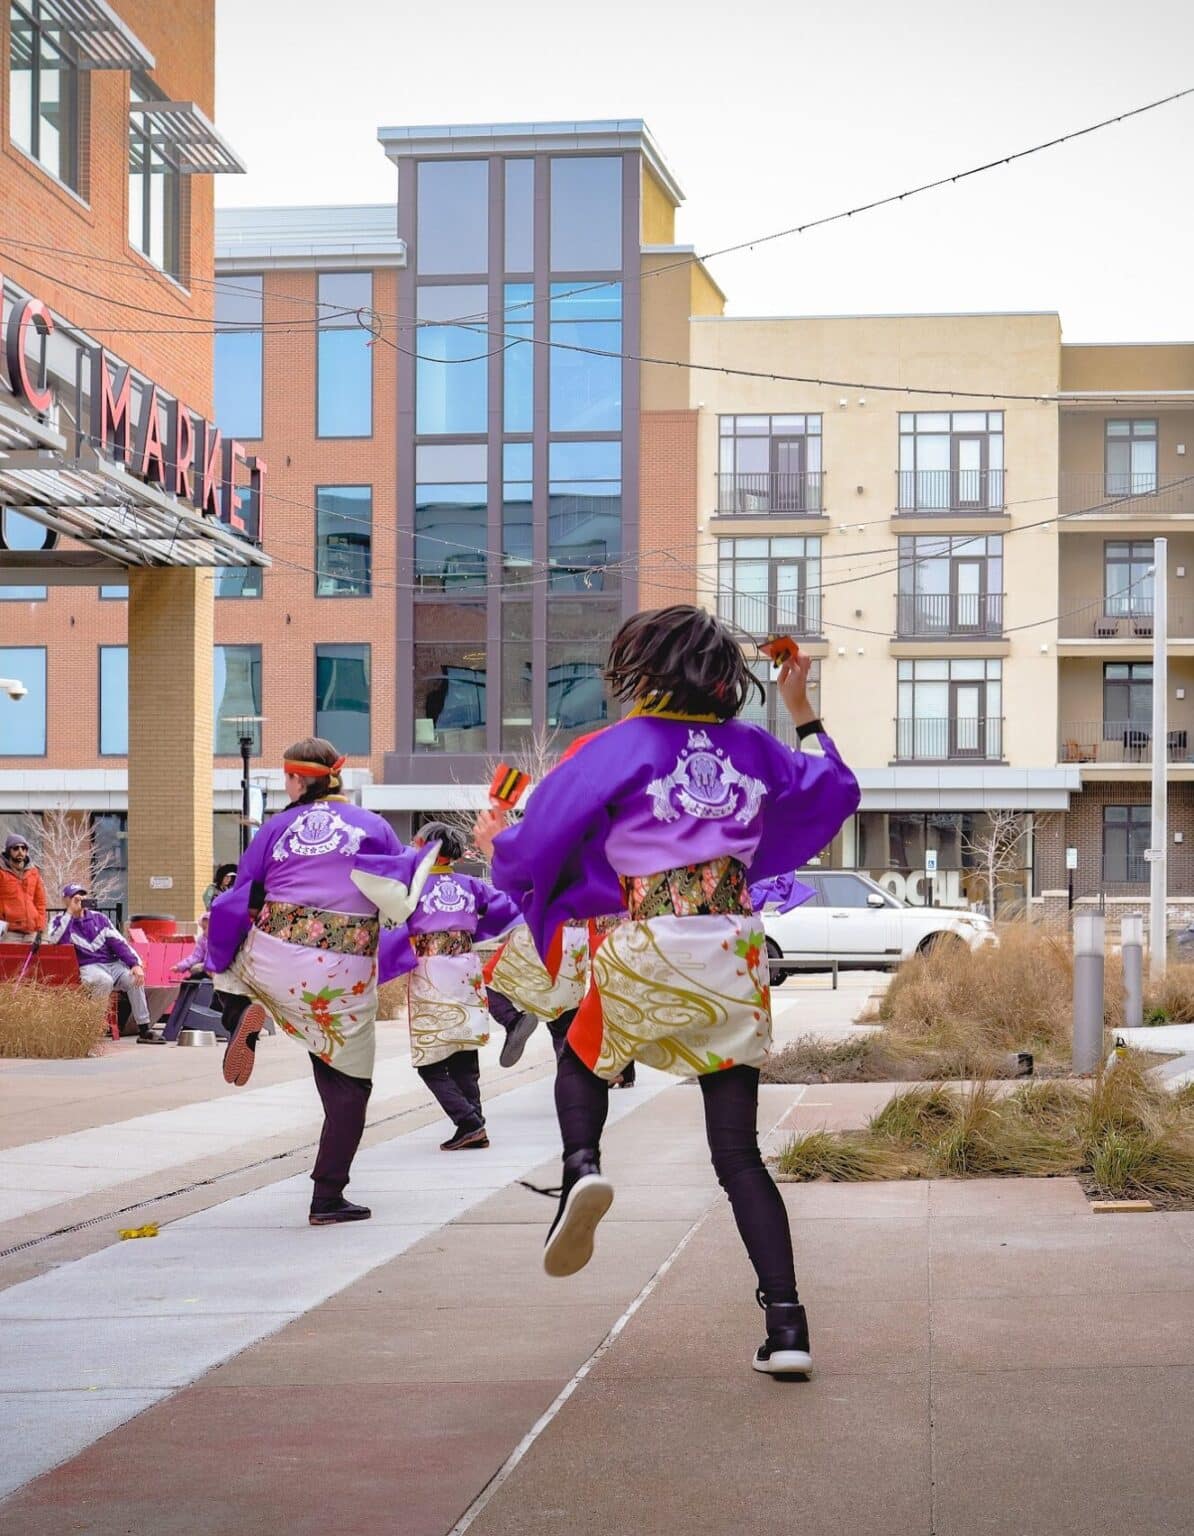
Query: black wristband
[[812, 728]]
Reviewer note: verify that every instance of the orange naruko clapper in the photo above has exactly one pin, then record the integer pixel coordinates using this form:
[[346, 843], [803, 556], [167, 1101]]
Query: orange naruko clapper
[[508, 786], [779, 649]]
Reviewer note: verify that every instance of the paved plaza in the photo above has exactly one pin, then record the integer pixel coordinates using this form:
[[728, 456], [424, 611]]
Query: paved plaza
[[990, 1356]]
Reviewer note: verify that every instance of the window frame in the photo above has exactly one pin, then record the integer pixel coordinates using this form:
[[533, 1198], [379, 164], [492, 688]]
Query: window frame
[[1139, 820], [217, 719], [1125, 723], [988, 502], [1130, 437], [45, 748], [323, 326], [320, 574], [808, 593], [1133, 603], [809, 500], [99, 695], [139, 89], [234, 291], [362, 645], [69, 175]]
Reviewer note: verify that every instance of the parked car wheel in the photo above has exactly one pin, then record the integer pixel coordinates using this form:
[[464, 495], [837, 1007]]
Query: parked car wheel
[[779, 973], [940, 943]]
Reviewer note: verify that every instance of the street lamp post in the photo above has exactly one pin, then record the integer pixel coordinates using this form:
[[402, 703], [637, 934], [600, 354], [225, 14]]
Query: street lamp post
[[246, 733]]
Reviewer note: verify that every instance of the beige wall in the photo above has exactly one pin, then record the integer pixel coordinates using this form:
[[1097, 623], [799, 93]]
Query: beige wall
[[1082, 585], [1014, 353], [1080, 697], [1082, 436], [1166, 365]]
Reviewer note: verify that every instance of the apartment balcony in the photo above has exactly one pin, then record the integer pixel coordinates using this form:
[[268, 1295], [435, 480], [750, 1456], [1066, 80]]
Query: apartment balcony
[[962, 738], [949, 615], [771, 495], [1107, 620], [785, 613], [1123, 743], [1145, 497], [934, 492]]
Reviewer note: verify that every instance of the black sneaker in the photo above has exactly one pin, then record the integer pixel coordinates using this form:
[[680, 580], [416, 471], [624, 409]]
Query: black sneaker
[[466, 1141], [585, 1196], [516, 1039], [785, 1352], [240, 1052], [330, 1213]]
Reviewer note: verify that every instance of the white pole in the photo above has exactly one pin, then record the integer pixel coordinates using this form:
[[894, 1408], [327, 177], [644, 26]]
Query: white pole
[[1159, 838]]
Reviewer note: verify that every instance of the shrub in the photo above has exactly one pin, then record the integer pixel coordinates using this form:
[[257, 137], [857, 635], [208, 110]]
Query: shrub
[[49, 1023], [843, 1158]]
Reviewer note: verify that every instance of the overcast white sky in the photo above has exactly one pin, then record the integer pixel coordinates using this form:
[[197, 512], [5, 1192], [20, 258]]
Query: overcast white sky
[[770, 112]]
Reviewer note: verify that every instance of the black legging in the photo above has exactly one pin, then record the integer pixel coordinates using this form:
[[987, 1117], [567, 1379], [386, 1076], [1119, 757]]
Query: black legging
[[456, 1083], [731, 1100]]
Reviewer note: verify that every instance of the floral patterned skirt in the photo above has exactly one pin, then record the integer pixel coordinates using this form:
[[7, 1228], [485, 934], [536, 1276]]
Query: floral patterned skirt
[[446, 1006], [322, 998], [521, 976], [688, 995]]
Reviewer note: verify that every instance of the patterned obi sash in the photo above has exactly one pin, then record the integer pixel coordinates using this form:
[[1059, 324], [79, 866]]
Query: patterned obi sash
[[447, 941], [716, 887], [348, 933]]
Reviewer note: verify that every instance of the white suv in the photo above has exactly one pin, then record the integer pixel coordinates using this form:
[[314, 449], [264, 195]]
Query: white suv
[[853, 921]]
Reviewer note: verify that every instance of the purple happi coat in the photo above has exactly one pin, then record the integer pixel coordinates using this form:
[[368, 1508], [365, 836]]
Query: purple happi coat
[[460, 903], [651, 794], [785, 891]]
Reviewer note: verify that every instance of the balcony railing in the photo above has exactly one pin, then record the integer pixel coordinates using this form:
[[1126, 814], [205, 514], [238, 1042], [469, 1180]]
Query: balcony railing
[[1126, 495], [933, 615], [788, 613], [1115, 618], [1118, 741], [771, 495], [950, 490], [921, 739]]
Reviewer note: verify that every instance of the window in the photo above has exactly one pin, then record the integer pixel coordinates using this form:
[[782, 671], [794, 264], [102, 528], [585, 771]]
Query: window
[[450, 677], [584, 516], [1128, 702], [343, 540], [110, 856], [844, 891], [452, 373], [23, 721], [239, 306], [578, 636], [1130, 457], [20, 532], [518, 359], [342, 695], [769, 464], [520, 215], [344, 364], [113, 700], [949, 709], [517, 515], [770, 712], [951, 585], [155, 191], [453, 217], [1126, 831], [243, 580], [765, 585], [586, 386], [237, 691], [586, 214], [951, 461], [116, 594], [1127, 579], [517, 671], [43, 107], [451, 516]]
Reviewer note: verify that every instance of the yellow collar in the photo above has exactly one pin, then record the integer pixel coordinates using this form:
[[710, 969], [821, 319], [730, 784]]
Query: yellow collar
[[441, 867], [656, 709]]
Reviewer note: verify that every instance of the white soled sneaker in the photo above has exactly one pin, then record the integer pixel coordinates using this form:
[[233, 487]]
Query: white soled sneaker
[[585, 1196], [785, 1351]]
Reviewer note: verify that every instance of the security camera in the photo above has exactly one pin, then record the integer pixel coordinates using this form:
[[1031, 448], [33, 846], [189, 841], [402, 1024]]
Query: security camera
[[17, 690]]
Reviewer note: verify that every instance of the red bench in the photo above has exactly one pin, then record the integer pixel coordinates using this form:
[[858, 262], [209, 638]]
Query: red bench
[[54, 965]]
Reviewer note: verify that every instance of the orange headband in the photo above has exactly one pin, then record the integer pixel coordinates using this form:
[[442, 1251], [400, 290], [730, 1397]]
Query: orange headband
[[313, 770]]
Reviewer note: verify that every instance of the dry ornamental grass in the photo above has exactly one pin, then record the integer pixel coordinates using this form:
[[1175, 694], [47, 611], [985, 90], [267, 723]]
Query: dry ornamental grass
[[49, 1023]]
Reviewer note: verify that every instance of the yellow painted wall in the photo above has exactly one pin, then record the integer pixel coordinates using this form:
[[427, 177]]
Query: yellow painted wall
[[658, 211], [1165, 366]]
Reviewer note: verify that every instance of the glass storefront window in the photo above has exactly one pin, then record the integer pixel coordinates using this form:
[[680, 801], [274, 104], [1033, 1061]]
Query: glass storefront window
[[586, 214], [452, 233], [451, 536]]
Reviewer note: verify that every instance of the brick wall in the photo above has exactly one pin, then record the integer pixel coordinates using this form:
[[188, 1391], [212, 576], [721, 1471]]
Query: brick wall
[[1081, 827], [668, 508]]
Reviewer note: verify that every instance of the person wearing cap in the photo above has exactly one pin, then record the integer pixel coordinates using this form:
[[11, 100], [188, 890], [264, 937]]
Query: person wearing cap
[[106, 959], [22, 893]]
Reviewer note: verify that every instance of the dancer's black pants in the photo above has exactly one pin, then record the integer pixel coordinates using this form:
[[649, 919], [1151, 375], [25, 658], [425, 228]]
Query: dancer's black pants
[[456, 1083], [345, 1101], [731, 1100]]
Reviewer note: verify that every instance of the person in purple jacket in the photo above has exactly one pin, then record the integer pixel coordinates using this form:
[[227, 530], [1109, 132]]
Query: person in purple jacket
[[106, 959], [664, 814], [446, 1001], [299, 937]]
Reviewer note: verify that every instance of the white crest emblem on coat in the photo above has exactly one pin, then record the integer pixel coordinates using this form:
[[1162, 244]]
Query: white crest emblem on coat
[[319, 829], [448, 898], [705, 784]]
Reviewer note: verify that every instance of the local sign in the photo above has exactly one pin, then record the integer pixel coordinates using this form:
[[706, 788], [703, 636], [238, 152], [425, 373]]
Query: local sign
[[188, 457]]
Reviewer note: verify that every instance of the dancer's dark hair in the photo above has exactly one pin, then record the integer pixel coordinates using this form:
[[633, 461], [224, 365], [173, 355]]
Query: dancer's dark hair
[[683, 659], [316, 749], [451, 843]]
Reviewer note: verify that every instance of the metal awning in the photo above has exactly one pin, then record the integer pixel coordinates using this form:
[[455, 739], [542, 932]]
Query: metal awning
[[98, 37], [185, 133], [101, 505]]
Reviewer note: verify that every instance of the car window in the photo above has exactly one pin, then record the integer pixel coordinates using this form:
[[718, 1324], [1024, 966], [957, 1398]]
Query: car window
[[844, 891]]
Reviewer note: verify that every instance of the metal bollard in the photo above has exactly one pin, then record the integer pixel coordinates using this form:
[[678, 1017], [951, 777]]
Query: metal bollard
[[1089, 935], [1131, 936]]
